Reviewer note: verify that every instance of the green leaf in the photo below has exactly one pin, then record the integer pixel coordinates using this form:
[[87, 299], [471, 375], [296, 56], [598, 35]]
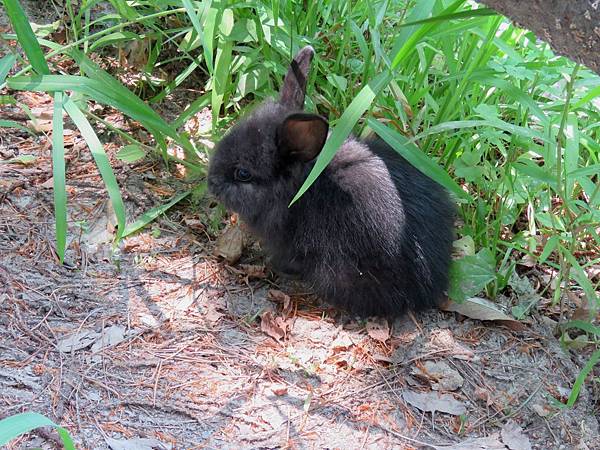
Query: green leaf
[[221, 76], [114, 38], [21, 159], [131, 153], [417, 158], [153, 213], [14, 124], [339, 134], [14, 426], [58, 176], [27, 39], [471, 274], [107, 91], [6, 63], [582, 376], [108, 176], [459, 15], [585, 326], [191, 12]]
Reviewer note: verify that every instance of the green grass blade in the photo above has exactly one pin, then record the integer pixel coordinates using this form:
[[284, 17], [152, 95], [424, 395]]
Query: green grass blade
[[13, 124], [584, 100], [210, 25], [14, 426], [417, 158], [409, 44], [221, 77], [27, 39], [191, 12], [153, 213], [58, 176], [582, 376], [6, 63], [194, 107], [339, 134], [585, 326], [108, 176], [453, 16], [108, 93]]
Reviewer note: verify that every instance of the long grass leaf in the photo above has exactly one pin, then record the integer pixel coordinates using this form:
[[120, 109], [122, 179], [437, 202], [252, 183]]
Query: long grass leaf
[[14, 124], [221, 76], [15, 426], [95, 146], [153, 213], [582, 376], [191, 12], [106, 93], [58, 176], [339, 134], [26, 37], [453, 16], [6, 63]]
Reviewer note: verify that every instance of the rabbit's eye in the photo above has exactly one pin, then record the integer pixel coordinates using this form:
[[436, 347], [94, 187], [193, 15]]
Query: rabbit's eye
[[242, 175]]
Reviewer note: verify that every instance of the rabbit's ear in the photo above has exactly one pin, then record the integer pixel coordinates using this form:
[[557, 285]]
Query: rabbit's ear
[[302, 135], [294, 84]]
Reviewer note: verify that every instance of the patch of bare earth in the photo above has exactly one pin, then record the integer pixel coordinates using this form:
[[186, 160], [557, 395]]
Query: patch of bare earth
[[157, 344]]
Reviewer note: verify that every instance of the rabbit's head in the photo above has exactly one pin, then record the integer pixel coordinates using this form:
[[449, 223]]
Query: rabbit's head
[[261, 160]]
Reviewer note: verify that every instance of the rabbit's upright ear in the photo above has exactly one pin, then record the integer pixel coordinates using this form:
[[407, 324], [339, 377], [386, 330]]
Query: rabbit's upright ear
[[302, 136], [294, 84]]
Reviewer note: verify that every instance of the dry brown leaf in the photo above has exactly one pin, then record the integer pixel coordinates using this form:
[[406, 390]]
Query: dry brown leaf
[[278, 296], [444, 340], [254, 270], [230, 245], [441, 376], [378, 329], [513, 436], [279, 389], [275, 326], [482, 309], [434, 401]]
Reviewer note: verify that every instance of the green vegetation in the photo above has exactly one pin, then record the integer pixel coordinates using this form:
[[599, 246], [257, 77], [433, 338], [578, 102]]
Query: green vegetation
[[14, 426], [479, 105]]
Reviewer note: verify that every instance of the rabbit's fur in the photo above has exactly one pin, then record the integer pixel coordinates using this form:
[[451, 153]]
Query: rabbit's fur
[[373, 235]]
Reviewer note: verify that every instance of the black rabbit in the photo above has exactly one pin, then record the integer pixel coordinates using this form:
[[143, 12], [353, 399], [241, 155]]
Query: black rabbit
[[373, 235]]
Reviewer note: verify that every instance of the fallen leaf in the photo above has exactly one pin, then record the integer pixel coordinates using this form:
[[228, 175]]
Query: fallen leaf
[[274, 417], [513, 436], [434, 401], [341, 343], [275, 326], [230, 245], [378, 329], [483, 395], [482, 309], [485, 443], [278, 296], [211, 315], [279, 389], [281, 297], [77, 341], [444, 340], [109, 337], [254, 270], [136, 444], [441, 376]]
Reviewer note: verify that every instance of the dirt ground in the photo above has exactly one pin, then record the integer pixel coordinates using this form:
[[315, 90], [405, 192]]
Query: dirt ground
[[159, 344]]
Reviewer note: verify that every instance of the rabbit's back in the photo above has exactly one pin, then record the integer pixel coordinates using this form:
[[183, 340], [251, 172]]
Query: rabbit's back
[[373, 235]]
